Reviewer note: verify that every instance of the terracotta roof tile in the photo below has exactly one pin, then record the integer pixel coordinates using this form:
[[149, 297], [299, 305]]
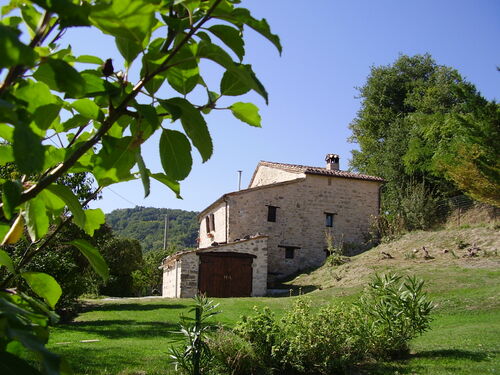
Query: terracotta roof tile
[[320, 171]]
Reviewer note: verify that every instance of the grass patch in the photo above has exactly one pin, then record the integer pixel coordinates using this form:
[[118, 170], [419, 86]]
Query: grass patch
[[134, 335]]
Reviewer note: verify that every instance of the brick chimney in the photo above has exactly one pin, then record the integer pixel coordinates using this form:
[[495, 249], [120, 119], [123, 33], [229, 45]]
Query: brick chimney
[[332, 162]]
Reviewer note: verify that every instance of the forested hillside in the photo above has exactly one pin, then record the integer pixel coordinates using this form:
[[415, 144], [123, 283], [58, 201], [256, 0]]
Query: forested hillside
[[146, 224]]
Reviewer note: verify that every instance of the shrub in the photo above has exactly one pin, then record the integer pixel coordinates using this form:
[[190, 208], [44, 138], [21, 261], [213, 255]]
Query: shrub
[[263, 331], [395, 312], [333, 338], [233, 355]]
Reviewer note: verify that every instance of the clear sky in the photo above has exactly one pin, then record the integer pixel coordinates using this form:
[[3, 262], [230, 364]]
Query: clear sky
[[328, 48]]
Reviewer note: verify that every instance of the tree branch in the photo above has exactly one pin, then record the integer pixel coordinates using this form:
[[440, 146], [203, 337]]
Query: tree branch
[[113, 116]]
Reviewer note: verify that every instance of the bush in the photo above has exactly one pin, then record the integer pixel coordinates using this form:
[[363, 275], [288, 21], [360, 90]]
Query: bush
[[233, 355], [391, 312], [395, 311], [263, 332]]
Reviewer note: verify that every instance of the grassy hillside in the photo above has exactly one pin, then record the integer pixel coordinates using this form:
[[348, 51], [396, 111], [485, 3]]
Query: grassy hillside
[[134, 335], [147, 224], [447, 269]]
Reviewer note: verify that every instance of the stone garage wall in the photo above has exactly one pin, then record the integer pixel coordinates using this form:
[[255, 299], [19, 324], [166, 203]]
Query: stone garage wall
[[185, 276]]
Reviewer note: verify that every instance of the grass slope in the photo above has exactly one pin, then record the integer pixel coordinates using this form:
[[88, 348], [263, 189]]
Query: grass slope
[[134, 335]]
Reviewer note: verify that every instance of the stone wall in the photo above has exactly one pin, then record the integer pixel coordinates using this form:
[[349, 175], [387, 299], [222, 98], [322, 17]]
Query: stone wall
[[266, 175], [301, 218], [188, 264]]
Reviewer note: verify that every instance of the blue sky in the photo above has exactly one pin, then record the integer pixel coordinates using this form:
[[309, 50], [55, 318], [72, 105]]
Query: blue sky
[[328, 48]]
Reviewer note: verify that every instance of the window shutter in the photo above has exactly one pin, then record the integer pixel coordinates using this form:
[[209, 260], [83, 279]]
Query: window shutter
[[207, 223]]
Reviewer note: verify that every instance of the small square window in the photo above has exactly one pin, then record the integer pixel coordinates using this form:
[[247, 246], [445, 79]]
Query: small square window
[[289, 252], [271, 213], [329, 219]]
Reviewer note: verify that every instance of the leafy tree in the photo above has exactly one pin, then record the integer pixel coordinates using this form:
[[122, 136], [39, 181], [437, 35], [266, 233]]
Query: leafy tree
[[148, 279], [406, 130], [101, 114], [147, 224], [123, 256]]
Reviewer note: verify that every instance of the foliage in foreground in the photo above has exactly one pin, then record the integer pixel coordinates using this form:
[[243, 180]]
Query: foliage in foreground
[[62, 114], [379, 326], [195, 357]]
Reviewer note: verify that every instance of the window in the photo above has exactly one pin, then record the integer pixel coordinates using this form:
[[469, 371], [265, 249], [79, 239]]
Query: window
[[329, 219], [207, 223], [212, 222], [289, 251], [271, 213]]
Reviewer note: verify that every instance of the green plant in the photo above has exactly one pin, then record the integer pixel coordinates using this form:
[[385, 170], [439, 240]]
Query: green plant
[[263, 332], [335, 250], [195, 358], [410, 255], [233, 354], [396, 310], [63, 114]]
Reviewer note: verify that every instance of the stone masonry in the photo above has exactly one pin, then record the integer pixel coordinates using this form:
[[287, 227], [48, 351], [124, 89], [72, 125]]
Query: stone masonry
[[180, 271], [303, 196]]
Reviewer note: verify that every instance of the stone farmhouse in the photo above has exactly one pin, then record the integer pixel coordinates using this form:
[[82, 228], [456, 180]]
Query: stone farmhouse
[[276, 227]]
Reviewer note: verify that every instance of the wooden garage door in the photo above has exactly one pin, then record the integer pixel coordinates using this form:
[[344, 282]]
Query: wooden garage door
[[225, 274]]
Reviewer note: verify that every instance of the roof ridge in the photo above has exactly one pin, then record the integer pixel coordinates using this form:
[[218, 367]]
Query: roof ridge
[[323, 171]]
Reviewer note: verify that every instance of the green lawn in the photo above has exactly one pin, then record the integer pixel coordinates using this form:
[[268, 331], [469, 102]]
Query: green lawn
[[134, 335]]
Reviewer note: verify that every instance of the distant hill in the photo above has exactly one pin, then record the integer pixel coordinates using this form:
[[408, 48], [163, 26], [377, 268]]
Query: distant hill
[[146, 224]]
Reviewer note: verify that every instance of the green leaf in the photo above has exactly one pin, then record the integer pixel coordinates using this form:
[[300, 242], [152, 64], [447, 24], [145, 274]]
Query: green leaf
[[88, 109], [262, 27], [28, 150], [167, 181], [194, 125], [30, 16], [143, 172], [36, 218], [232, 85], [115, 160], [12, 51], [11, 195], [244, 73], [175, 154], [94, 257], [183, 75], [71, 201], [6, 155], [246, 112], [231, 37], [74, 122], [69, 13], [52, 202], [4, 229], [6, 261], [94, 218], [89, 59], [129, 19], [35, 94], [128, 48], [13, 365], [94, 84], [45, 115], [7, 132], [61, 76], [44, 286]]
